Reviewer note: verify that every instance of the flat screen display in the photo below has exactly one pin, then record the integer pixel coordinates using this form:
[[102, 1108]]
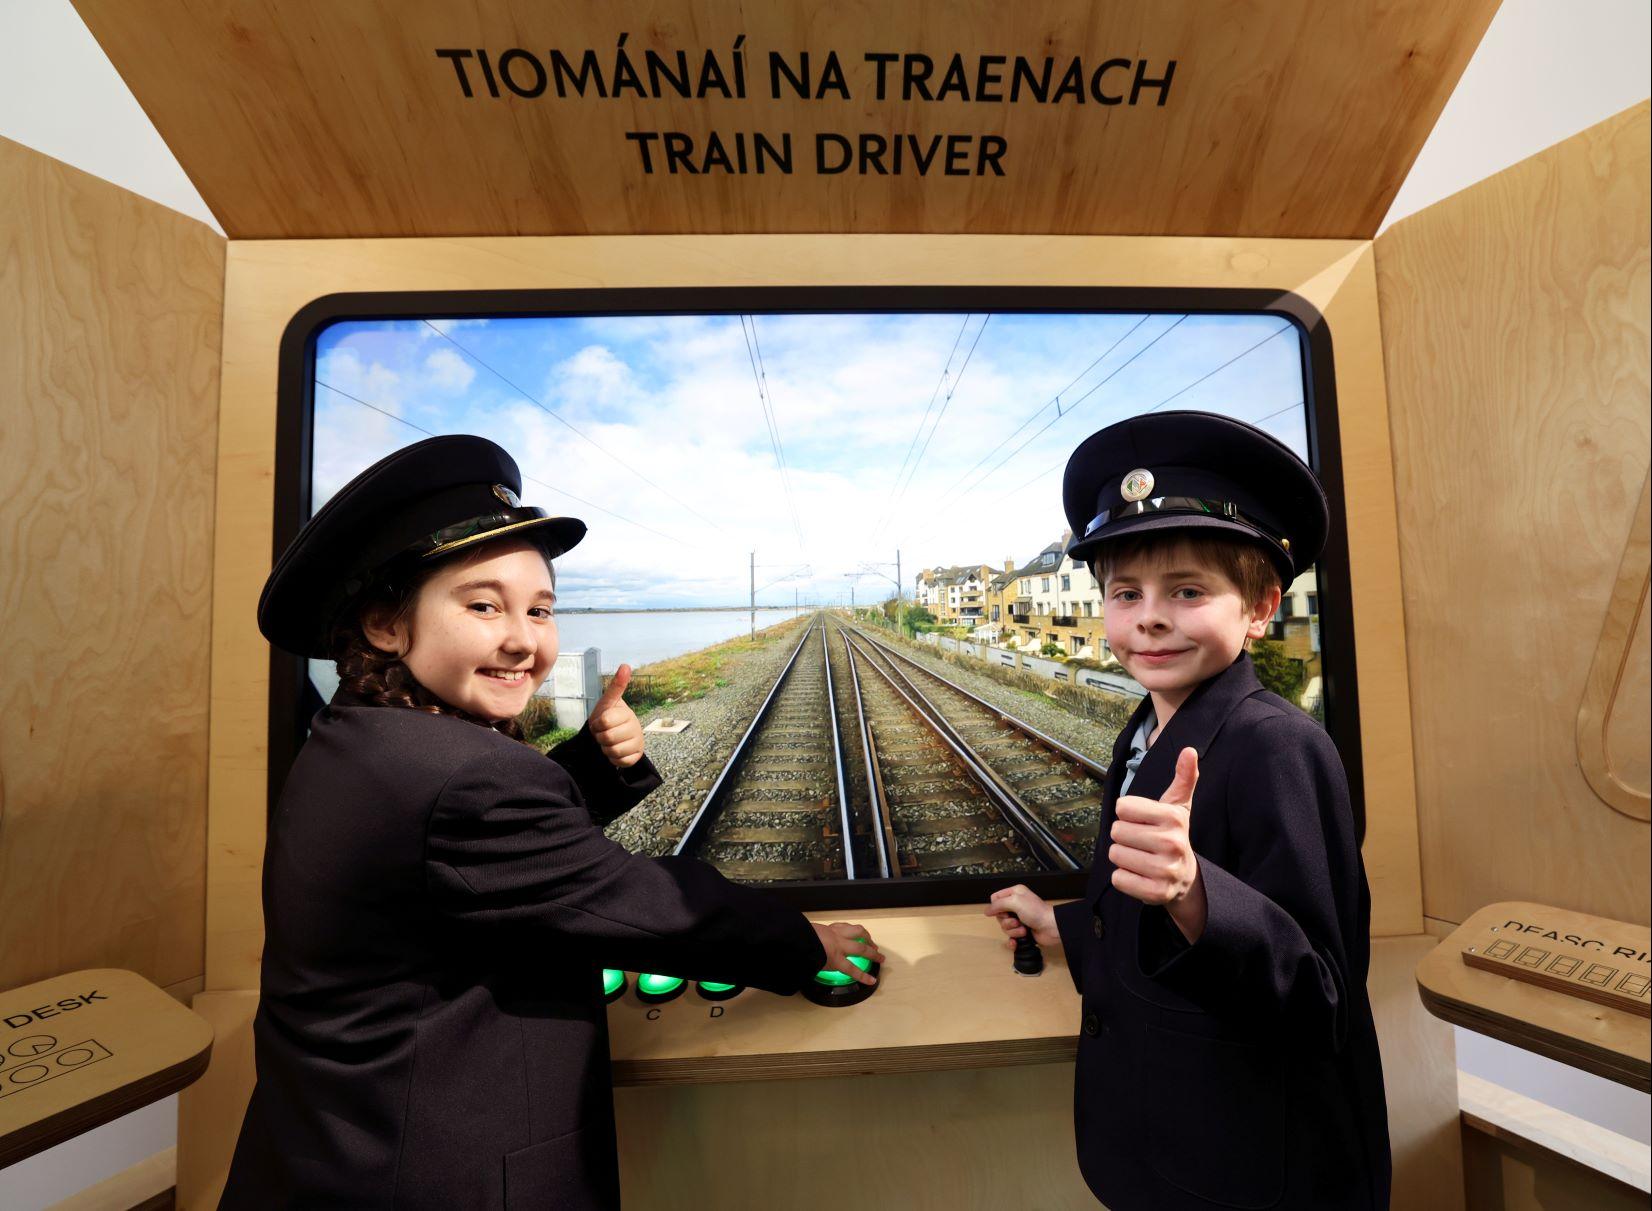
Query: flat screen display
[[828, 541]]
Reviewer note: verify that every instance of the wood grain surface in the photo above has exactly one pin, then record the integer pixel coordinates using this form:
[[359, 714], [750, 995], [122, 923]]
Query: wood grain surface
[[1605, 1041], [1618, 980], [989, 1137], [900, 1129], [1503, 1173], [1515, 328], [302, 118], [1611, 722], [110, 311], [210, 1111], [1535, 1126], [984, 1137], [267, 283], [86, 1047], [1419, 1076], [934, 956]]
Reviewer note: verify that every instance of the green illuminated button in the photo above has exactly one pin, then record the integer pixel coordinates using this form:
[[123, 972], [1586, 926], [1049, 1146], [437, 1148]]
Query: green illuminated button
[[613, 984], [660, 988], [713, 990], [836, 989], [838, 979]]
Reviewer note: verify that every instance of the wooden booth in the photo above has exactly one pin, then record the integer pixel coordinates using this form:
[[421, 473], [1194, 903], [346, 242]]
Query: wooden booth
[[1490, 425]]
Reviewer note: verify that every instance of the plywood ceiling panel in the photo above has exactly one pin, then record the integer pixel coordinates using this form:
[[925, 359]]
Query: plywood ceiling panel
[[307, 118]]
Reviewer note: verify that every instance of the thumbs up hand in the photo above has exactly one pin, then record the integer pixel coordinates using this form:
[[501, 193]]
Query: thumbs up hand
[[614, 725], [1153, 854]]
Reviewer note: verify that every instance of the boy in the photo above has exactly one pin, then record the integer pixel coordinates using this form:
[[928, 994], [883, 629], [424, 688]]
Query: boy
[[1228, 1056]]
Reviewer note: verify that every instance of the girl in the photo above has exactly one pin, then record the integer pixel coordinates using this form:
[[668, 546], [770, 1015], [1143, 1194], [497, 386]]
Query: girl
[[438, 897]]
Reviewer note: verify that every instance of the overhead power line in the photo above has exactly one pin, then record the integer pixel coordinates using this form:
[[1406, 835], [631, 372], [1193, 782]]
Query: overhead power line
[[1262, 420], [572, 428], [1109, 377], [1003, 496], [529, 478], [910, 470], [1246, 353], [939, 416], [804, 571], [924, 419], [754, 353], [1059, 413]]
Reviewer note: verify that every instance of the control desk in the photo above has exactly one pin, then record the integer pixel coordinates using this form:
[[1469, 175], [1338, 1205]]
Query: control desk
[[948, 996]]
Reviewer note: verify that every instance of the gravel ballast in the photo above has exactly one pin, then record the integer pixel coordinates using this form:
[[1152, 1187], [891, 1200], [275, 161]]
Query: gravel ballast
[[690, 761]]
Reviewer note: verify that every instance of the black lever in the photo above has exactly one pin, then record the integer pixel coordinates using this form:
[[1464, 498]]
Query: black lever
[[1029, 960]]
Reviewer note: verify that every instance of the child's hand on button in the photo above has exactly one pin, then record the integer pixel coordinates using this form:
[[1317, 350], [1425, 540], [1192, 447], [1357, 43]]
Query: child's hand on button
[[614, 725], [840, 940], [1153, 854], [1034, 913]]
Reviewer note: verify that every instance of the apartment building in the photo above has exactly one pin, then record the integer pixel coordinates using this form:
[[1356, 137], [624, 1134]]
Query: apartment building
[[1056, 601], [1052, 599], [956, 595]]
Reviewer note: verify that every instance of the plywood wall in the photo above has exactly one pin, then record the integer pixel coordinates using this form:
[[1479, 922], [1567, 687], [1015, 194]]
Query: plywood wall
[[110, 324], [989, 1137], [268, 282], [1289, 118], [1509, 1175], [1515, 335], [985, 1137]]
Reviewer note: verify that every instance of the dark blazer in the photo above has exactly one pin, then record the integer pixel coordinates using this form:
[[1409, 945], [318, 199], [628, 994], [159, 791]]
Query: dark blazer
[[438, 904], [1241, 1071]]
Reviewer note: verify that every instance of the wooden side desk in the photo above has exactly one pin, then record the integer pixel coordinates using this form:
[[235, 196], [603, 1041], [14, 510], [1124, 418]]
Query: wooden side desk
[[1612, 1042], [80, 1049]]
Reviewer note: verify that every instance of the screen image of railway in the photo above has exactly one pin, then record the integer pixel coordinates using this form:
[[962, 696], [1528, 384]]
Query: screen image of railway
[[830, 547]]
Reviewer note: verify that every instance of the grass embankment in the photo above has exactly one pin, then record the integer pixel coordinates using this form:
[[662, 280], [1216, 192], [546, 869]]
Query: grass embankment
[[665, 682], [695, 674]]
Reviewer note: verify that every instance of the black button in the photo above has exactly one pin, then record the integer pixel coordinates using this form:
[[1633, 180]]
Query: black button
[[1092, 1025], [1099, 928]]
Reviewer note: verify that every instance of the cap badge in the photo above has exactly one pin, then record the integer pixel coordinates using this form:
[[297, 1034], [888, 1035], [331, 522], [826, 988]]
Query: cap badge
[[505, 494], [1137, 484]]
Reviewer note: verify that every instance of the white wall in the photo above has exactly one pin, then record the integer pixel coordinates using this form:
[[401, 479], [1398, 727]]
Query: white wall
[[59, 94], [1594, 1098], [1545, 70], [53, 1175]]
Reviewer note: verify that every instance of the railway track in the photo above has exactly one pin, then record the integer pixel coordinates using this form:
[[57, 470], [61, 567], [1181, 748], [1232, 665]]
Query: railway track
[[932, 811], [861, 764], [779, 810], [1057, 784]]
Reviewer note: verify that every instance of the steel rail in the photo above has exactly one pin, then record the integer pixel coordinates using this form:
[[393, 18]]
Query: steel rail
[[845, 819], [1022, 725], [882, 825], [699, 828], [1045, 845]]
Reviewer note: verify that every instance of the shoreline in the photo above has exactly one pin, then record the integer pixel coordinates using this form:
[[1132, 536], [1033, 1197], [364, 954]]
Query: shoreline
[[687, 609]]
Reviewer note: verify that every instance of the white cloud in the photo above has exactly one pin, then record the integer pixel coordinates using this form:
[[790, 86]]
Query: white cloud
[[655, 425], [373, 382], [447, 371], [591, 383], [445, 327]]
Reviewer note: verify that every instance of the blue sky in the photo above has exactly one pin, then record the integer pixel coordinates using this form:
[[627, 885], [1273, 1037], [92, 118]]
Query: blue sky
[[937, 433]]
